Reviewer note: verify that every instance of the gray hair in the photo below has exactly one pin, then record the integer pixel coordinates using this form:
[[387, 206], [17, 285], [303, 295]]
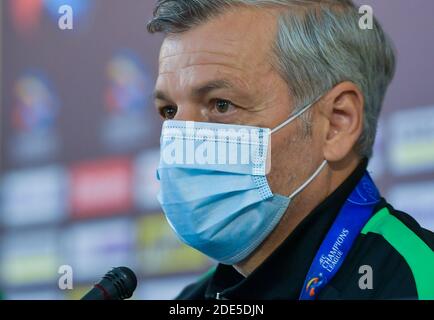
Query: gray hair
[[319, 44]]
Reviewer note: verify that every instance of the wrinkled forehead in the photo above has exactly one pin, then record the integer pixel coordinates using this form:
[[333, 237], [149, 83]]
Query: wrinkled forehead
[[241, 37]]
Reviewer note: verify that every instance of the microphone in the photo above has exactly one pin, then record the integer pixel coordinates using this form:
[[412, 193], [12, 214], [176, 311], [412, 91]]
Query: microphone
[[118, 284]]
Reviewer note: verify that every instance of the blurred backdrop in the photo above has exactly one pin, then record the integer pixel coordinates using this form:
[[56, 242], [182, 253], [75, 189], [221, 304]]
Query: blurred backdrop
[[80, 144]]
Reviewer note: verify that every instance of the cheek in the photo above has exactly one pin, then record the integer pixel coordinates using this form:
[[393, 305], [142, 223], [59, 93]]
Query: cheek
[[283, 163], [291, 160]]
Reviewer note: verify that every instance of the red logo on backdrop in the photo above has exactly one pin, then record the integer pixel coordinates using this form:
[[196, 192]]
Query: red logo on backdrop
[[26, 14], [101, 188]]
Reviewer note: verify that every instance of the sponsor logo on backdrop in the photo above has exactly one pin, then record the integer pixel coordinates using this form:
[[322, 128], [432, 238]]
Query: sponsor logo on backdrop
[[29, 257], [411, 138], [161, 253], [26, 14], [93, 248], [33, 196], [34, 119], [101, 188], [126, 101]]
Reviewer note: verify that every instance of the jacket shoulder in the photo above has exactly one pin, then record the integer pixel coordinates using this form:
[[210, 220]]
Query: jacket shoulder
[[425, 235], [398, 253], [411, 241]]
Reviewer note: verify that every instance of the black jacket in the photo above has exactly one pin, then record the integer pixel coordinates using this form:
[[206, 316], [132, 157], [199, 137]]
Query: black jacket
[[282, 275]]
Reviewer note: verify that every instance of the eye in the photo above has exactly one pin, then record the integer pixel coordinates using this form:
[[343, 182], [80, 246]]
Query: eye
[[168, 112], [222, 106]]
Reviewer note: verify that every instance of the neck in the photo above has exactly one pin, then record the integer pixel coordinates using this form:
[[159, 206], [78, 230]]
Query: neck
[[325, 184]]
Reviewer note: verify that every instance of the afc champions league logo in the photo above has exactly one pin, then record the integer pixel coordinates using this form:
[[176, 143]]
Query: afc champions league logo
[[34, 117], [313, 284], [128, 86], [35, 106], [127, 98]]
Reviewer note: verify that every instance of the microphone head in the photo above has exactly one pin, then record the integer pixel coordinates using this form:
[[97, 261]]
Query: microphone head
[[118, 284], [123, 281]]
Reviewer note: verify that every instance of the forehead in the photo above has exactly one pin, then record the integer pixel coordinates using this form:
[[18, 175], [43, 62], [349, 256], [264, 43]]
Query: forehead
[[240, 38]]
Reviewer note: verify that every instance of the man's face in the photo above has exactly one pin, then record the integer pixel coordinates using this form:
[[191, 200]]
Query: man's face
[[221, 72]]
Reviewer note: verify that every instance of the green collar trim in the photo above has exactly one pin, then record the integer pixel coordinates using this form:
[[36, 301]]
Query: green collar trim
[[416, 252]]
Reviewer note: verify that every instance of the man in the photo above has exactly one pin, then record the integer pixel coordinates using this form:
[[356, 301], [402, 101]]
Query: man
[[312, 225]]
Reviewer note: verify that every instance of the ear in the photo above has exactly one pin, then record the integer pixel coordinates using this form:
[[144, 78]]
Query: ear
[[343, 113]]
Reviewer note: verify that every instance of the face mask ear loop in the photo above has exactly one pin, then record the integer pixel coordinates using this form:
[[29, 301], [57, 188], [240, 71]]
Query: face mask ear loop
[[295, 116], [304, 185]]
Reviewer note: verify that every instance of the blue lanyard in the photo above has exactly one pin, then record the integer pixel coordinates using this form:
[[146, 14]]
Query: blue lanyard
[[355, 213]]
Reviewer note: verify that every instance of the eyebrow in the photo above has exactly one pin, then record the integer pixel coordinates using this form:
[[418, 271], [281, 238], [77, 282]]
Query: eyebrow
[[160, 95], [201, 90], [211, 86]]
